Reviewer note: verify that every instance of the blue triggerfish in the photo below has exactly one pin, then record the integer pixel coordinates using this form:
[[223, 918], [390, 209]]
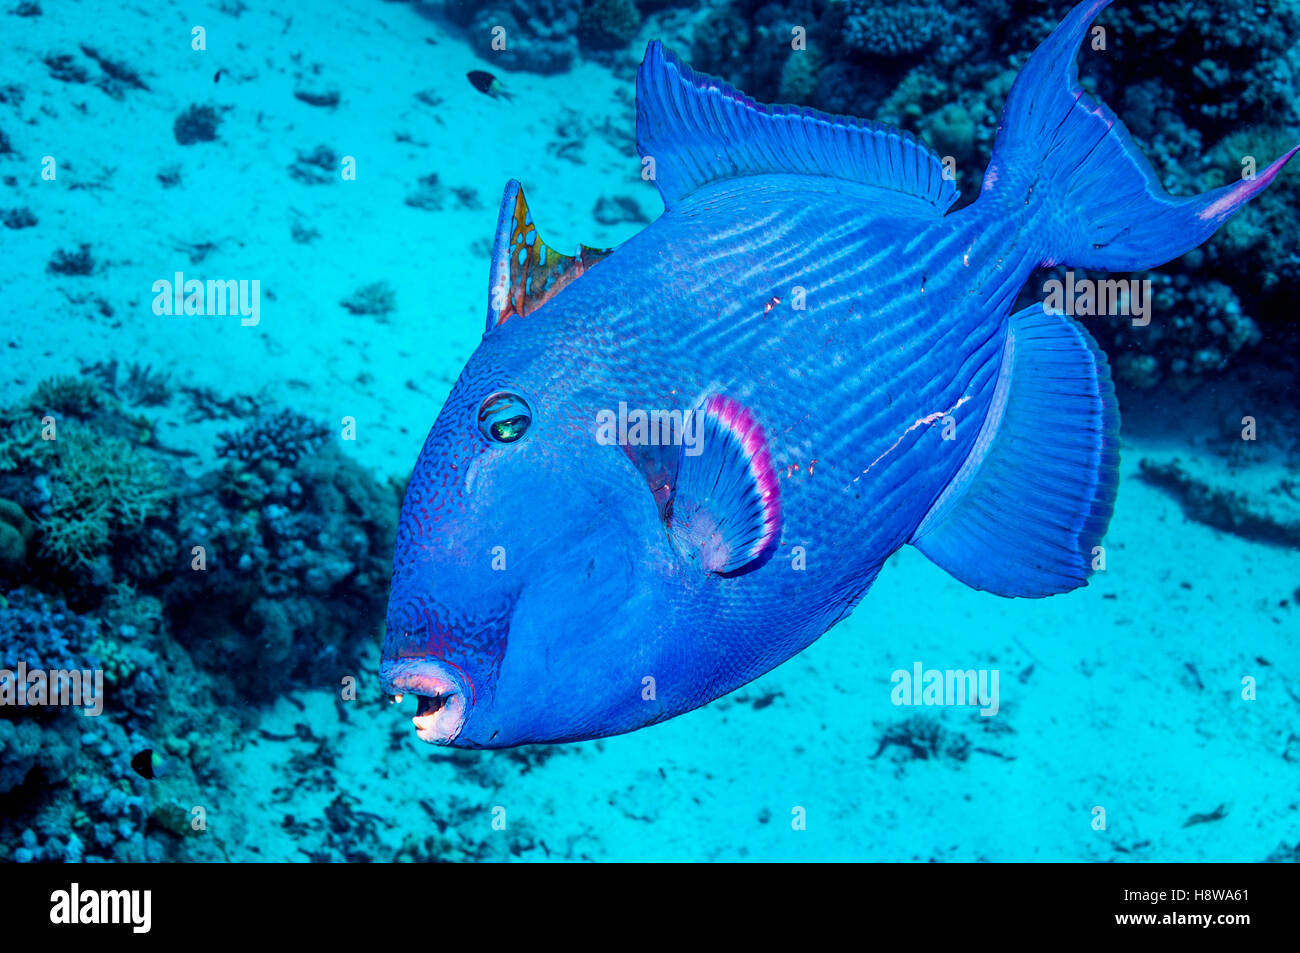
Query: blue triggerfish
[[670, 466]]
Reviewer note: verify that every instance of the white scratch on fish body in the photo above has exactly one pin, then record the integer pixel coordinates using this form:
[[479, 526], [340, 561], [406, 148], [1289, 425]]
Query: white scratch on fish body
[[925, 421]]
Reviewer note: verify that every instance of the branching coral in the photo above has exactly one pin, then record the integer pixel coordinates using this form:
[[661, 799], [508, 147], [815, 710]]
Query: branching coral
[[283, 438], [67, 396], [100, 489]]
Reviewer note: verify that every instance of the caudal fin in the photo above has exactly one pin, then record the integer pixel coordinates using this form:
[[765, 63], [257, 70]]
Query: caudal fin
[[1096, 200]]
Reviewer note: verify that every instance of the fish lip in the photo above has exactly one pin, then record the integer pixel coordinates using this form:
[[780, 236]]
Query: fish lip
[[443, 698]]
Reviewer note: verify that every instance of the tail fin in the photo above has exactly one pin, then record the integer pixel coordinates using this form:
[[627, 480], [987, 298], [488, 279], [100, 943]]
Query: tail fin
[[1099, 203]]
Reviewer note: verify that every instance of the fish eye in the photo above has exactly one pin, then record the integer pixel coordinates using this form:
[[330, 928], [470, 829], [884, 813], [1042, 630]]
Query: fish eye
[[504, 417]]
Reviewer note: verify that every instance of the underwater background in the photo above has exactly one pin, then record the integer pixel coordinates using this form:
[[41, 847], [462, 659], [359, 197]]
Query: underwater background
[[134, 147]]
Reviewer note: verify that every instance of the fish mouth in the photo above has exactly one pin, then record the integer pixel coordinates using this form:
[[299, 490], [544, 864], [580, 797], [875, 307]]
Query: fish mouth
[[439, 688]]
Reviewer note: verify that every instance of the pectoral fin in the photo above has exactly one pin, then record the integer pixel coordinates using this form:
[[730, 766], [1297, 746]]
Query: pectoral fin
[[724, 512]]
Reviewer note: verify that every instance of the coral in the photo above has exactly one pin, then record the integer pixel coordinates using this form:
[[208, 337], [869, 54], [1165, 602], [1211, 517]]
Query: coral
[[16, 532], [376, 298], [116, 663], [206, 404], [541, 36], [283, 438], [43, 632], [1249, 243], [722, 45], [897, 30], [79, 262], [196, 124], [1196, 327], [430, 196], [146, 387], [17, 218], [298, 552], [799, 76], [65, 68], [100, 490], [607, 24], [21, 445], [923, 737], [20, 751], [117, 77], [131, 614], [1235, 66], [66, 396], [619, 210], [1137, 370], [314, 96], [318, 167], [147, 555]]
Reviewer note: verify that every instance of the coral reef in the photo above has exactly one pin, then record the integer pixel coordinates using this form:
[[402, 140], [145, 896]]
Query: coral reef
[[43, 632], [541, 36], [298, 546], [299, 540], [1197, 326], [607, 24]]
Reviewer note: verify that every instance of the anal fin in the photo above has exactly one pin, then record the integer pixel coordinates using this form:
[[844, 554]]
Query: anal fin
[[1023, 514]]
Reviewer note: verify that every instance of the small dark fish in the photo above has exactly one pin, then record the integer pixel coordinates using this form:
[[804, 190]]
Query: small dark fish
[[216, 78], [149, 764], [488, 84]]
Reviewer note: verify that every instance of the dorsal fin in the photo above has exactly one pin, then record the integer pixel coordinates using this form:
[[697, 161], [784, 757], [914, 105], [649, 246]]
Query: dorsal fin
[[698, 129], [526, 272]]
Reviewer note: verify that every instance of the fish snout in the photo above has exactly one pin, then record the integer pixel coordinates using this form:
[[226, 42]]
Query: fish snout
[[443, 696]]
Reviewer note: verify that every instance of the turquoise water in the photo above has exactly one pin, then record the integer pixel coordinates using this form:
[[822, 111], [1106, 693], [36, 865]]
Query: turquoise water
[[209, 524]]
